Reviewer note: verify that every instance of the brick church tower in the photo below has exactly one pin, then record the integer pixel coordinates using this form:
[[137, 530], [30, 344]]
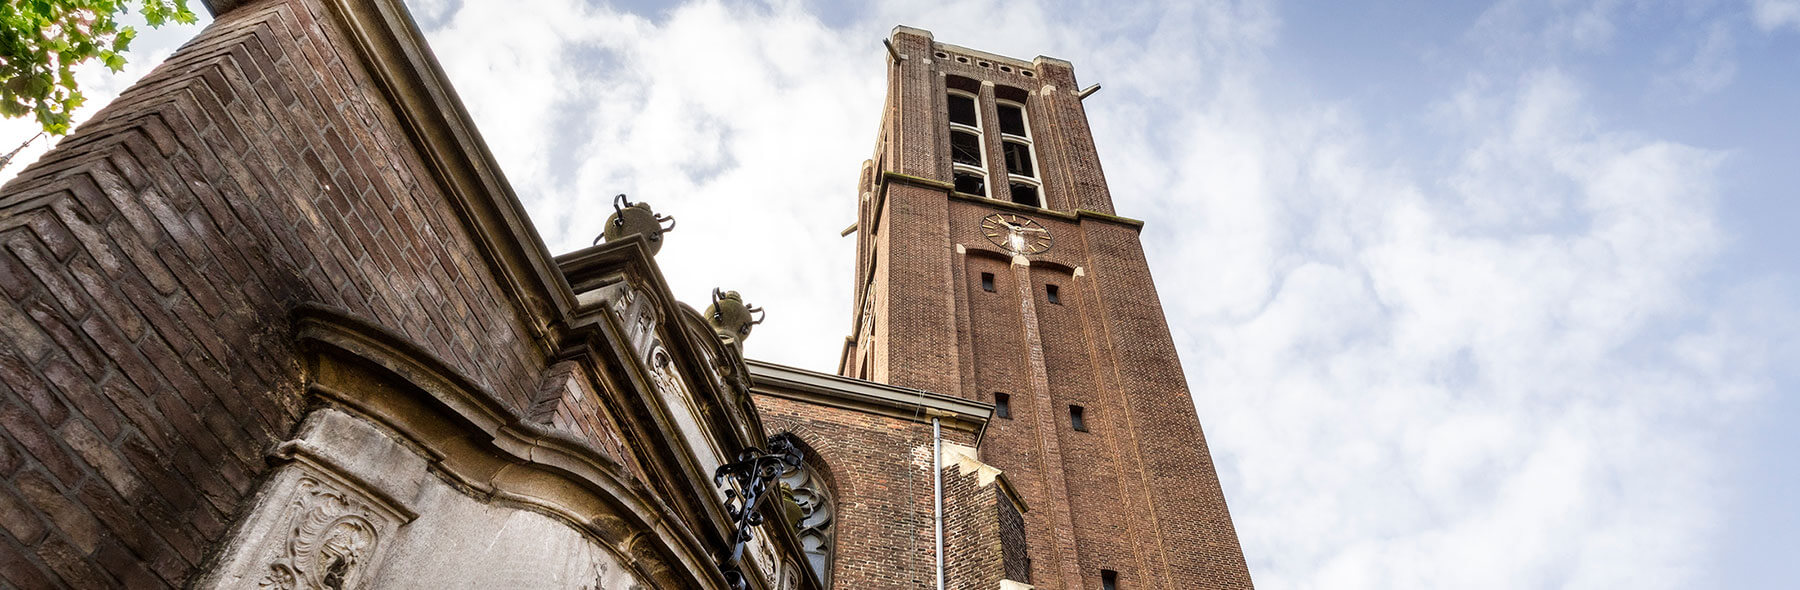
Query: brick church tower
[[991, 266]]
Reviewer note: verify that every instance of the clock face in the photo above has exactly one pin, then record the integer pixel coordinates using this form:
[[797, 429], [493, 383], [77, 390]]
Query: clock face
[[1017, 234]]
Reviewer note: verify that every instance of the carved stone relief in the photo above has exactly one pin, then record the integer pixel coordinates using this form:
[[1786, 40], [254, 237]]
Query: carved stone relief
[[816, 520], [312, 530], [331, 538], [354, 509]]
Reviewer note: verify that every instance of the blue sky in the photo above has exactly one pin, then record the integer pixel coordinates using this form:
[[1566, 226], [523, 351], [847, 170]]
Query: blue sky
[[1469, 295]]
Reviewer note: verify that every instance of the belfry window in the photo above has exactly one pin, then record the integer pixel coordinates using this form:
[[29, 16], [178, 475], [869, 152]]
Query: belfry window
[[971, 183], [1012, 120], [1023, 185], [1018, 158], [968, 168], [965, 148], [816, 517], [1109, 580], [962, 110]]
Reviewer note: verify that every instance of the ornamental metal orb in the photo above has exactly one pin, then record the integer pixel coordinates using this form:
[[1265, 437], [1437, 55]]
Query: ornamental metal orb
[[731, 318], [629, 219]]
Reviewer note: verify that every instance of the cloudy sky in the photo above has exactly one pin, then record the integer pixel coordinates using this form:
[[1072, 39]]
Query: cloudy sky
[[1472, 296]]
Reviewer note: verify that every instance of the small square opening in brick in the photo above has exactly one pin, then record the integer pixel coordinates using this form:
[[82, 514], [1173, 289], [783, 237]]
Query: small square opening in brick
[[1078, 418], [987, 282], [1052, 293]]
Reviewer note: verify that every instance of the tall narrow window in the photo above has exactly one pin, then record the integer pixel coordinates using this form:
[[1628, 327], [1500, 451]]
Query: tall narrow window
[[1109, 580], [1022, 182], [987, 282], [1077, 419], [1002, 405], [967, 164], [1053, 293]]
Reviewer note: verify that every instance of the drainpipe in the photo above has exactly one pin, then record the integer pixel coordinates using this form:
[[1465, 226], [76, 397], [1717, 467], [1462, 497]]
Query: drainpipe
[[937, 497]]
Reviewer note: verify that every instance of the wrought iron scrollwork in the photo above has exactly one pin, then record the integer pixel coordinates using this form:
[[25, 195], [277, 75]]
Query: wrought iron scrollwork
[[748, 483]]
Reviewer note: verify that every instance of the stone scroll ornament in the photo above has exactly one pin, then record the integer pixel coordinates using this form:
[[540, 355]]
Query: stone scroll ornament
[[749, 483], [632, 219], [329, 538]]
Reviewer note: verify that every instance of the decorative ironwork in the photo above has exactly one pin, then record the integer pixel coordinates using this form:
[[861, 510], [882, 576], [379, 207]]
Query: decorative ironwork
[[747, 483]]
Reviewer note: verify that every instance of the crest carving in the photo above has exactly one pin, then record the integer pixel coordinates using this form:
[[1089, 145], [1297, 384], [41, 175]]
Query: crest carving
[[329, 540]]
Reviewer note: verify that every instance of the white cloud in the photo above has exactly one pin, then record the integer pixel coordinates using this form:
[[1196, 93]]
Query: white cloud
[[1776, 14], [1710, 69], [746, 123]]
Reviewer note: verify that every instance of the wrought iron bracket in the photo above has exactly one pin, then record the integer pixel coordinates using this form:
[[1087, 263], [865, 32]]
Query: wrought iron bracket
[[748, 483]]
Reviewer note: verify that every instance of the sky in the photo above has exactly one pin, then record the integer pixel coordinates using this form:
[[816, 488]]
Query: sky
[[1469, 295]]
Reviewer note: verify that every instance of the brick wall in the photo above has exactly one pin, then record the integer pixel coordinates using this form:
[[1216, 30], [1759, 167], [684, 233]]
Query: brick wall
[[880, 472], [149, 263]]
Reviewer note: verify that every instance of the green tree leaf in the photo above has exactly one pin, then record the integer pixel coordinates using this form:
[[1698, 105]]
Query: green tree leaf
[[41, 41]]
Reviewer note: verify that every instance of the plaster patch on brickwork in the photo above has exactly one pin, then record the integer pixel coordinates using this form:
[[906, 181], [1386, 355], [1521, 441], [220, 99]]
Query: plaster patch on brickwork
[[1011, 585]]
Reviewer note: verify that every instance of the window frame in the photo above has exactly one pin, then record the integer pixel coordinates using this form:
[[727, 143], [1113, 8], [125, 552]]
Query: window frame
[[1035, 181], [979, 171]]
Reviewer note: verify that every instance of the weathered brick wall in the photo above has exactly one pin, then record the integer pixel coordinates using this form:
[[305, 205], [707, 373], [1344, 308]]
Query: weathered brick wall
[[1015, 559], [973, 556], [880, 472], [149, 264]]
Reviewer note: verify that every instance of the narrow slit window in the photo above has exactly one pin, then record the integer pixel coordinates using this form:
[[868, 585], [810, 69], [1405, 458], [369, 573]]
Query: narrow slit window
[[1025, 193], [972, 184], [1053, 294], [1002, 405], [1109, 580], [1077, 418], [1018, 159], [962, 110], [987, 282], [965, 148]]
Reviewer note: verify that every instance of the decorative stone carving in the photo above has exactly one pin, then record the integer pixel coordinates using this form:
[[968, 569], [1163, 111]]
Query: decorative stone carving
[[331, 538], [816, 518], [311, 530]]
